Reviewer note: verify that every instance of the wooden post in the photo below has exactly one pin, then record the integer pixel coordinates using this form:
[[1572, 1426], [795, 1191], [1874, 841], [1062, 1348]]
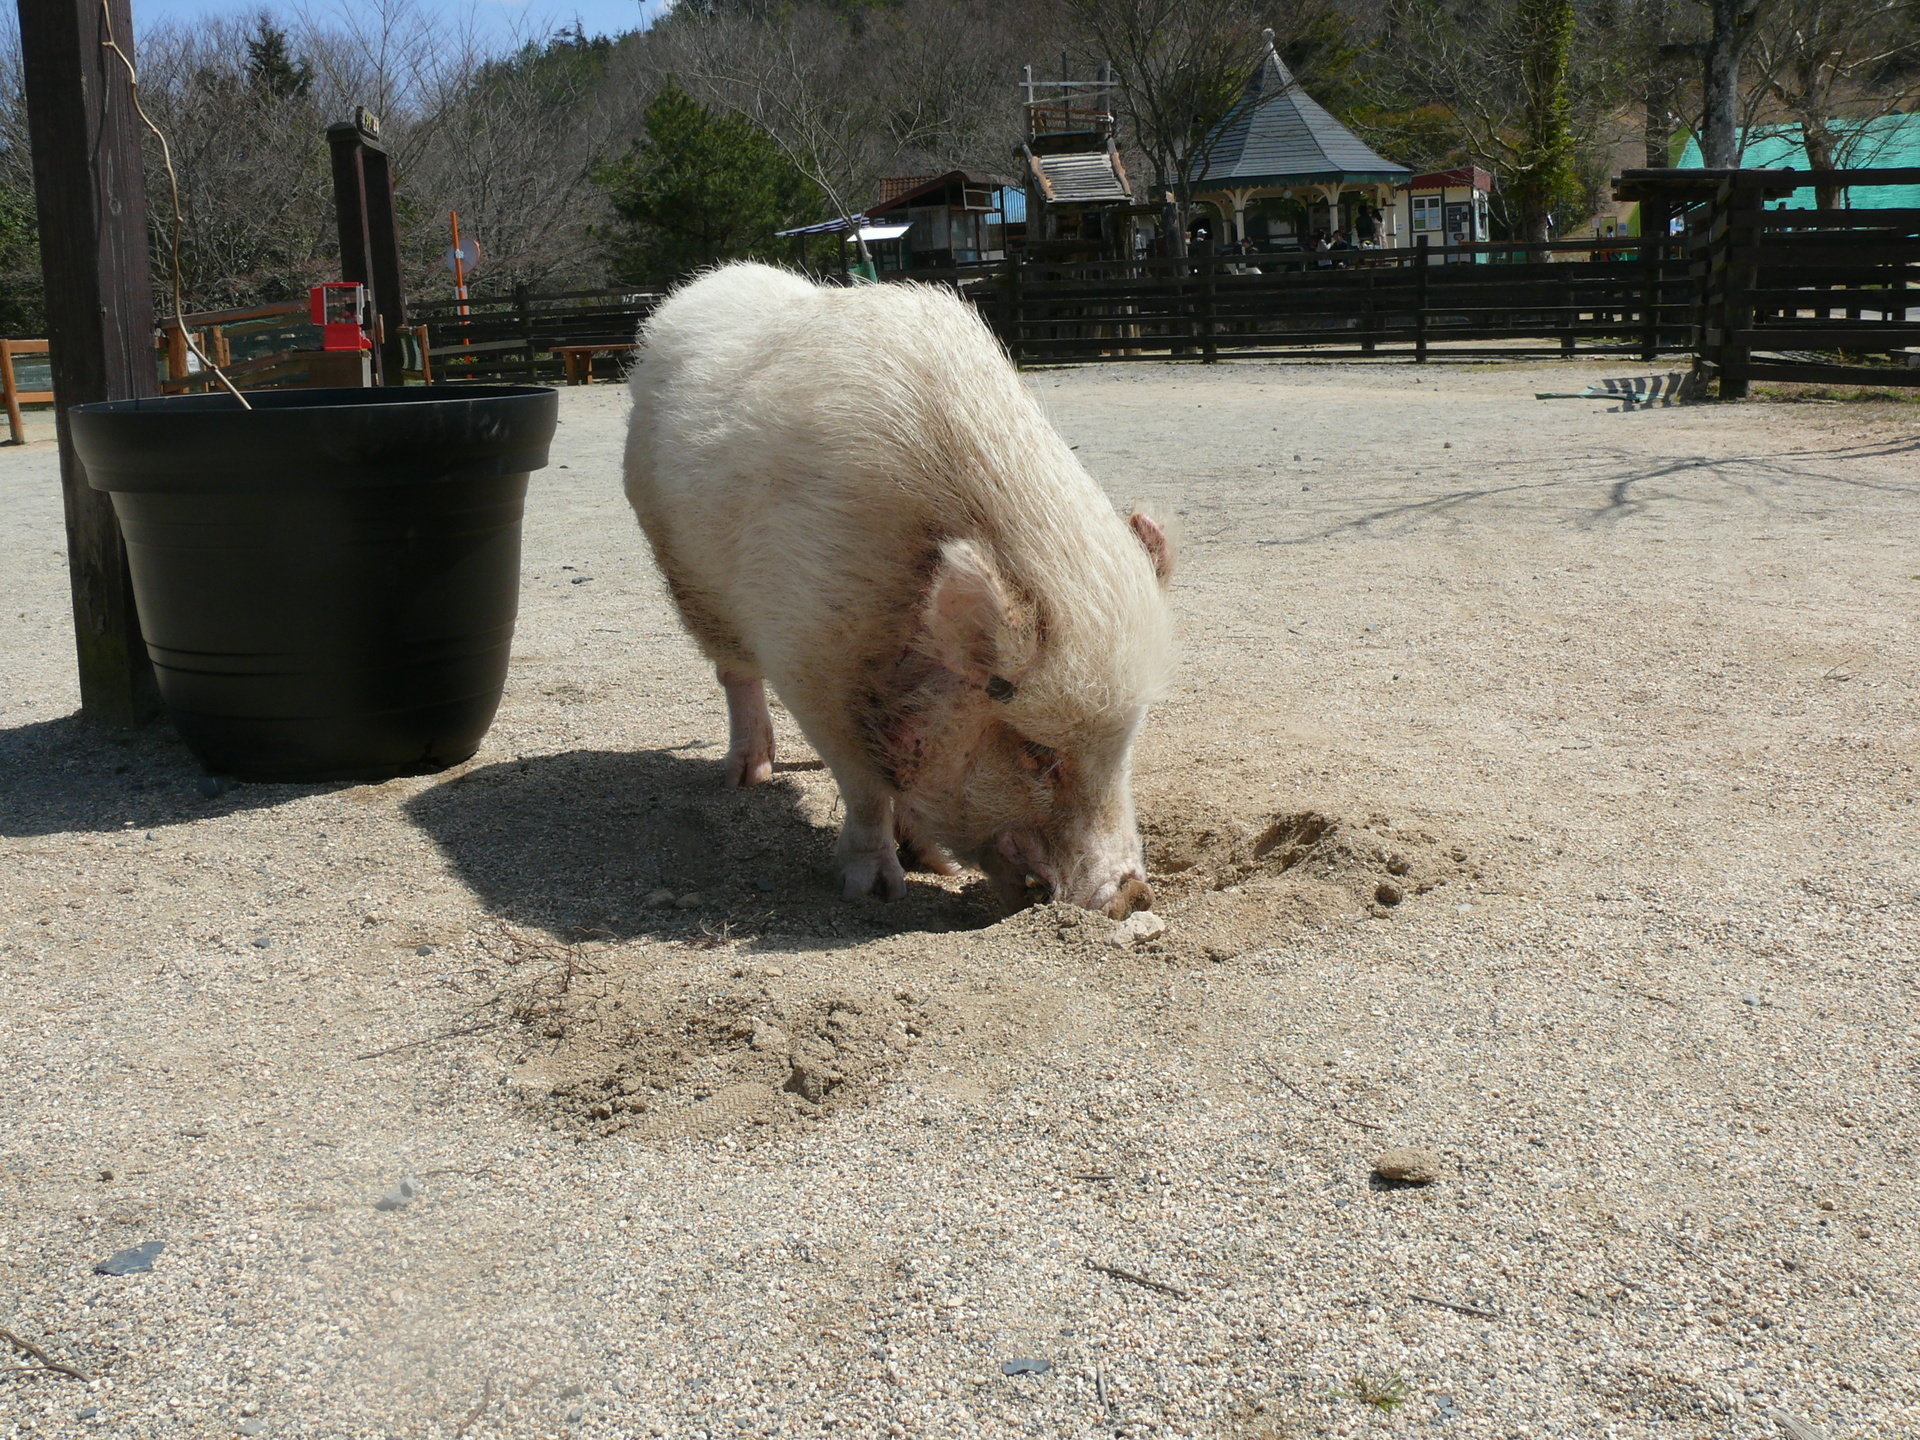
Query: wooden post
[[1569, 317], [523, 307], [1016, 304], [1655, 219], [16, 424], [369, 240], [1739, 206], [92, 205], [1209, 304], [1420, 300]]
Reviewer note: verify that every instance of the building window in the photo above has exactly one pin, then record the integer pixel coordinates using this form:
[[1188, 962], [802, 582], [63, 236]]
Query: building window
[[1426, 212]]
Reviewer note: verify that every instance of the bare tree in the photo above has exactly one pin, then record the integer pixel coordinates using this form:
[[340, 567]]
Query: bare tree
[[928, 83], [1526, 88], [1834, 66], [1179, 65]]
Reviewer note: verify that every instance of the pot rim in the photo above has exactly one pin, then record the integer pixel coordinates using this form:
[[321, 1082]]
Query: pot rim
[[319, 439]]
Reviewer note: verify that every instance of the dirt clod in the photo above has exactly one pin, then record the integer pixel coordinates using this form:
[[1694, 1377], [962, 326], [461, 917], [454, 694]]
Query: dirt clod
[[1408, 1165]]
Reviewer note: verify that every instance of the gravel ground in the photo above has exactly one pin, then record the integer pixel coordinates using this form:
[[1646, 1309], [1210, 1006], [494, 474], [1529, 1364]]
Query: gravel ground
[[1623, 704]]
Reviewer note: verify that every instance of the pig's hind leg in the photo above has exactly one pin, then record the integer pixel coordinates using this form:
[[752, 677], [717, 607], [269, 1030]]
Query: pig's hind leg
[[749, 729]]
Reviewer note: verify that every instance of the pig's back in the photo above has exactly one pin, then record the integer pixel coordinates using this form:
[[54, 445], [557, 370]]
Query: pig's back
[[797, 454]]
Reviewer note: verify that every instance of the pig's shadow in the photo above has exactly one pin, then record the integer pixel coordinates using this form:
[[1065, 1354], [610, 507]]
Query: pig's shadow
[[576, 843]]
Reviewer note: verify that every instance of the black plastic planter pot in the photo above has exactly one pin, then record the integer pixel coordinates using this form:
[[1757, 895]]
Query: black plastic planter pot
[[327, 583]]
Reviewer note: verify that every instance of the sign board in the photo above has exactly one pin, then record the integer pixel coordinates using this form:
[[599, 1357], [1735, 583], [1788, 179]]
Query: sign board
[[468, 253]]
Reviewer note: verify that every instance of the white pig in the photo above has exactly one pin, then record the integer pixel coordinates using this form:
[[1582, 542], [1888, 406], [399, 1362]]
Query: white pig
[[853, 496]]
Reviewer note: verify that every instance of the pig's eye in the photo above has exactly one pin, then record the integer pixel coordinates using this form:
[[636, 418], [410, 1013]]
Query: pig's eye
[[1038, 758]]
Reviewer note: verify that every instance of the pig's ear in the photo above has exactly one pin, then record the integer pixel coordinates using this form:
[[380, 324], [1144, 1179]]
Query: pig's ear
[[1159, 548], [968, 620]]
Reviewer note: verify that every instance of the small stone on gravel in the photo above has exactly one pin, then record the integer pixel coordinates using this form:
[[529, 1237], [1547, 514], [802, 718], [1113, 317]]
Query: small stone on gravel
[[659, 899], [692, 900], [1388, 893], [1408, 1165], [252, 1427], [137, 1261], [1141, 925], [400, 1196], [1026, 1367]]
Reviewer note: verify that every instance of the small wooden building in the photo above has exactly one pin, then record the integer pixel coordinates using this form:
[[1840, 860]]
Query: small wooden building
[[959, 218], [1449, 207]]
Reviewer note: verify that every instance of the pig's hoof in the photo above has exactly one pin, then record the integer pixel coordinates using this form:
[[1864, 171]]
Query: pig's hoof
[[881, 875], [1133, 894], [746, 767]]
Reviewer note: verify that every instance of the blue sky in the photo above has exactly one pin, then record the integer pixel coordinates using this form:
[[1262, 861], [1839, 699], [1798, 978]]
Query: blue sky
[[498, 19]]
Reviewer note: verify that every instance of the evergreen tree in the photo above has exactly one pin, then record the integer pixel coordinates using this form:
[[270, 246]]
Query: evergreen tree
[[700, 188], [271, 68]]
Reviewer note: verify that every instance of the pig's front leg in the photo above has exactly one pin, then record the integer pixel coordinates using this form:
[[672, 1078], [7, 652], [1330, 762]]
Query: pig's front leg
[[749, 729], [868, 852]]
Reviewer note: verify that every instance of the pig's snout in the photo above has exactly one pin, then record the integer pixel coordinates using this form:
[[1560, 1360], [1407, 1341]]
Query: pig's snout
[[1120, 897], [1115, 891]]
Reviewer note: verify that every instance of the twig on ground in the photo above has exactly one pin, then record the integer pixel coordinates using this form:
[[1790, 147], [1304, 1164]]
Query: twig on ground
[[1473, 1310], [1327, 1105], [1657, 998], [46, 1361], [430, 1040], [486, 1399], [1132, 1279]]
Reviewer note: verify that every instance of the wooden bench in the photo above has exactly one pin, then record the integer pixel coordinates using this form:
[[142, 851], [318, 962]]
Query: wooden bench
[[579, 358], [14, 394]]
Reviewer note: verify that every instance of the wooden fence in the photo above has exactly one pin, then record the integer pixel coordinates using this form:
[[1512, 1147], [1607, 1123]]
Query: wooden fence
[[1809, 295], [1622, 295], [521, 336]]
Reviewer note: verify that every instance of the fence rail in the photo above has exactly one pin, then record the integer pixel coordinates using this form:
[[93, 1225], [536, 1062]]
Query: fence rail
[[1805, 295], [1620, 295], [518, 336]]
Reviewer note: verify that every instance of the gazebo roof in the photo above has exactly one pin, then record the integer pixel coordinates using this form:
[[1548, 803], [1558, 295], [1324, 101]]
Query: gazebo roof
[[1277, 134]]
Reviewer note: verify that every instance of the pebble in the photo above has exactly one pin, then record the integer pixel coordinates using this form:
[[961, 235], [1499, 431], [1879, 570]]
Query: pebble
[[1141, 925], [659, 899], [253, 1427], [261, 943], [400, 1196], [137, 1261], [692, 900], [1408, 1165], [1388, 893], [209, 786], [1026, 1367]]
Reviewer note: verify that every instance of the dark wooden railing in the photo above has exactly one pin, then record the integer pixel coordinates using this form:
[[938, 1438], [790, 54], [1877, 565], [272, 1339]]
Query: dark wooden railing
[[1807, 295], [516, 336], [1619, 295]]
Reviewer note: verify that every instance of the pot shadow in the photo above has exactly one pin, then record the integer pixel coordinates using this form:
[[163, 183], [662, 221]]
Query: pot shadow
[[575, 843], [73, 776]]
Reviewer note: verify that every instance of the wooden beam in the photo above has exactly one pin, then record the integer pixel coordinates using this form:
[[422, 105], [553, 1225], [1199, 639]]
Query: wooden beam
[[369, 238], [92, 206]]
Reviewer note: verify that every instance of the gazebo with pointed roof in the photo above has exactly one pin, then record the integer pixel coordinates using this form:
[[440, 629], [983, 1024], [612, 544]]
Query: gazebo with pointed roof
[[1279, 140]]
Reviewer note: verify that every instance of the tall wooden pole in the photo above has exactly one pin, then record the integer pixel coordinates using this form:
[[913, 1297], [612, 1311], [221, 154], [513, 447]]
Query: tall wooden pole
[[369, 237], [92, 205]]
